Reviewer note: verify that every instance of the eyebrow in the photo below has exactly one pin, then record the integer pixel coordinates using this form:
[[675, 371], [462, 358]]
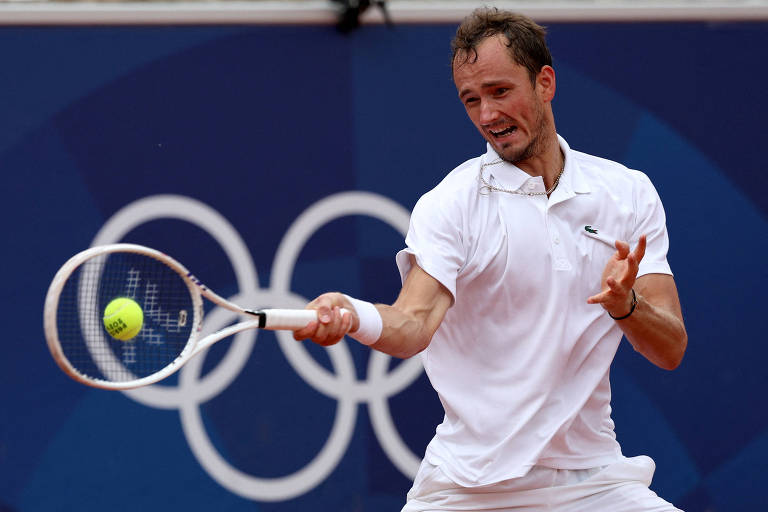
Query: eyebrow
[[485, 85]]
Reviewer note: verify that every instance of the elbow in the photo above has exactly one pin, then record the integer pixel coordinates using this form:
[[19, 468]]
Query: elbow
[[415, 347], [414, 351], [670, 364], [675, 356]]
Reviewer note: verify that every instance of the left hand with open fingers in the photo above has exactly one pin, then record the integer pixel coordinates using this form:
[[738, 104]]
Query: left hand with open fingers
[[619, 277]]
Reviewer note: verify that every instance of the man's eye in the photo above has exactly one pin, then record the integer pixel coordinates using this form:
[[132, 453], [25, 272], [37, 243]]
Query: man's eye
[[501, 90], [470, 101]]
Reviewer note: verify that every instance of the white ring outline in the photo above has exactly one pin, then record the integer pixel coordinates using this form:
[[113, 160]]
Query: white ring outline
[[342, 385], [199, 214]]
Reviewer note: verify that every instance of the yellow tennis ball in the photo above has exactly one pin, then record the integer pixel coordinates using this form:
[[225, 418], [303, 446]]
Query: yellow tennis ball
[[123, 318]]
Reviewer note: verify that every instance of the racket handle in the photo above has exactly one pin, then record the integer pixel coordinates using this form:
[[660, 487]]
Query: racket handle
[[289, 319]]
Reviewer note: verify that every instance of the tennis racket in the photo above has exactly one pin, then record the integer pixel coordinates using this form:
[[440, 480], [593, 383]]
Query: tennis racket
[[170, 298]]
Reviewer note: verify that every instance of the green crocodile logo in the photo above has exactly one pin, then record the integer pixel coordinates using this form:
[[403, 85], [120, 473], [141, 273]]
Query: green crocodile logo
[[589, 229]]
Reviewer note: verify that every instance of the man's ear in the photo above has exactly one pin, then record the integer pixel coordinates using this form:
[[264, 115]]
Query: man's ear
[[546, 83]]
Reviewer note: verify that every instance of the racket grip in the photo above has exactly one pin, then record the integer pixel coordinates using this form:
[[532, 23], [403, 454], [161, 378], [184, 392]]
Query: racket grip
[[290, 319]]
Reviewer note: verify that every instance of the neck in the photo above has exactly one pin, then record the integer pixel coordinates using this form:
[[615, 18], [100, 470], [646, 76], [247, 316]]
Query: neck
[[547, 163]]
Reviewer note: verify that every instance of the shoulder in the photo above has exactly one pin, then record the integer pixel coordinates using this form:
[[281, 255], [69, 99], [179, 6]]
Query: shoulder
[[612, 183], [612, 175], [455, 189]]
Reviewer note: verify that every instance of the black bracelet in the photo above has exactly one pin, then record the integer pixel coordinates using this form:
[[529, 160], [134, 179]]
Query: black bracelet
[[632, 310]]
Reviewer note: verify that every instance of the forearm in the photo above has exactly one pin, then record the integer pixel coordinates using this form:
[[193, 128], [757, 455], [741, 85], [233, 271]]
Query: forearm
[[657, 332], [655, 326], [406, 330], [402, 330]]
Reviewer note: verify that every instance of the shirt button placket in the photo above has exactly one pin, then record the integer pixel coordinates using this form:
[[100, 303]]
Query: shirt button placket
[[561, 259]]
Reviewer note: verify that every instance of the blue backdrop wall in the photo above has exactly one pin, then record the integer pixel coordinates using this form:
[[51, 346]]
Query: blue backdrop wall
[[224, 145]]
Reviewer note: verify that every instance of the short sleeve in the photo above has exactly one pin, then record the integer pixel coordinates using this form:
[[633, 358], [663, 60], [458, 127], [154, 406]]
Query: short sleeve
[[650, 220], [434, 239]]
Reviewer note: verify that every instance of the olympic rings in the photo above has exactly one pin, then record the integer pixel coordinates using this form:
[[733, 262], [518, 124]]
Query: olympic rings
[[342, 384]]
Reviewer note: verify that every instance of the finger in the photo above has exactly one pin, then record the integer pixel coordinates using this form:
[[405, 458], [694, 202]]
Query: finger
[[615, 289], [324, 314], [630, 272], [331, 332], [305, 332], [345, 322], [633, 262], [336, 328], [603, 297], [597, 299], [324, 330], [639, 251], [348, 320], [621, 287], [622, 248]]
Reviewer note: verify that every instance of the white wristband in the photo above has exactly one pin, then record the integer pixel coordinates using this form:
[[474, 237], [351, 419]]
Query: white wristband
[[369, 330]]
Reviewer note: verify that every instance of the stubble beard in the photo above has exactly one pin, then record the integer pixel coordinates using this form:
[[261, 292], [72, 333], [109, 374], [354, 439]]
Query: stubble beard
[[535, 146]]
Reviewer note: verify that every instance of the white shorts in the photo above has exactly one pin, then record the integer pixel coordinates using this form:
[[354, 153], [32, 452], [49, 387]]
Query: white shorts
[[619, 487]]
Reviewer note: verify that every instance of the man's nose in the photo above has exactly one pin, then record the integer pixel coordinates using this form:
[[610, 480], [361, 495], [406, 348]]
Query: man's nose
[[488, 112]]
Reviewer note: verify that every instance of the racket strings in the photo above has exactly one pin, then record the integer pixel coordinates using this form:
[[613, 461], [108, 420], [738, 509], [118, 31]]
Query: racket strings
[[167, 306]]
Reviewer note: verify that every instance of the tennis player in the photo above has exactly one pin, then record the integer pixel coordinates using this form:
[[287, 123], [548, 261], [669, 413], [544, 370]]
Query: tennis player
[[523, 269]]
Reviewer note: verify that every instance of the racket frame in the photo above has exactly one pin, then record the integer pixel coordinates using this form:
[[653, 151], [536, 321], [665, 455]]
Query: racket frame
[[272, 319], [52, 302]]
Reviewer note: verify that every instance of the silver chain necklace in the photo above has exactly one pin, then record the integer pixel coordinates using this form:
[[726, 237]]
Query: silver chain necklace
[[499, 189]]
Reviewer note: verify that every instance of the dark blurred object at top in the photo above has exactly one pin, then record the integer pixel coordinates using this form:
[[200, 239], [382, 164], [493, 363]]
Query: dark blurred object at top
[[351, 10]]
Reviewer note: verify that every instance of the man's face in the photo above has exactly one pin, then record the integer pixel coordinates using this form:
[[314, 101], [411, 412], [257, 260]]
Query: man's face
[[501, 101]]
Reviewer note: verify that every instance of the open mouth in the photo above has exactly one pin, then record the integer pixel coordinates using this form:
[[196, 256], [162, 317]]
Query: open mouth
[[502, 133]]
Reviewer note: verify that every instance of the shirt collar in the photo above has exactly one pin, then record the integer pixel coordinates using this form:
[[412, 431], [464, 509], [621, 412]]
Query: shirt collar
[[501, 174], [573, 178], [511, 177]]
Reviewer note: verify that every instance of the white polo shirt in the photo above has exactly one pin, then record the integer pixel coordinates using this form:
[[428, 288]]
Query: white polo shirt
[[521, 361]]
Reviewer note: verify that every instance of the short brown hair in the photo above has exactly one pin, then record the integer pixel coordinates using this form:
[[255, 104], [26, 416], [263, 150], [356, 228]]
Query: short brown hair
[[526, 39]]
